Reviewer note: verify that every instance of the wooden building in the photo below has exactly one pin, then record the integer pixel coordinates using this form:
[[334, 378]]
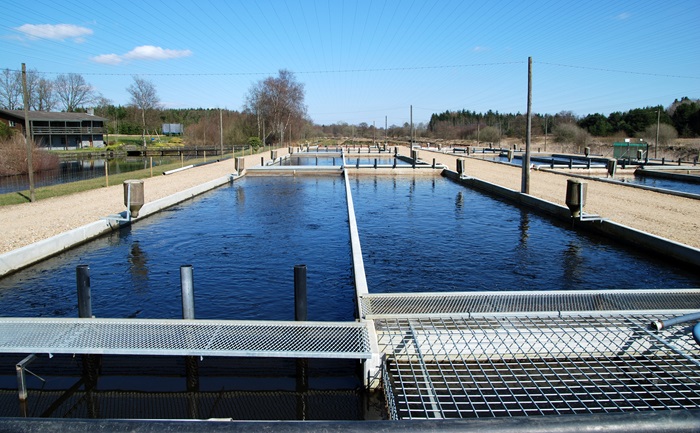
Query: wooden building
[[55, 130]]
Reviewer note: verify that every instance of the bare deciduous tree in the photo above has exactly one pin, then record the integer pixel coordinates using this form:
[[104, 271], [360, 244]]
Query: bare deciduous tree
[[277, 102], [44, 98], [11, 90], [145, 97], [73, 92], [667, 134]]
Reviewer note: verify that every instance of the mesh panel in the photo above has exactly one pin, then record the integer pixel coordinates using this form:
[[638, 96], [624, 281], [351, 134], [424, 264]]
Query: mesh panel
[[464, 303], [198, 338], [515, 366]]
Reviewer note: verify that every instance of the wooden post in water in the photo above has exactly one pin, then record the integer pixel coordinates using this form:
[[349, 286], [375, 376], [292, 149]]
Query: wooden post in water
[[301, 314], [300, 301], [90, 362]]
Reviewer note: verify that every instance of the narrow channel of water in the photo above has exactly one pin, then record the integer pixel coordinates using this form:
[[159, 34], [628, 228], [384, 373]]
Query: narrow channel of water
[[243, 242], [433, 235], [80, 169]]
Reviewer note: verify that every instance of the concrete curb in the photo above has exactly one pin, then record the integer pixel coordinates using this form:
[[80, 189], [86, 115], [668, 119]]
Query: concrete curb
[[619, 232], [20, 258]]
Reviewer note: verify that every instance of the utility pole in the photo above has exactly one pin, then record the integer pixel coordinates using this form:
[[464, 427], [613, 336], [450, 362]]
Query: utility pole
[[221, 132], [658, 121], [374, 133], [525, 184], [478, 121], [545, 132], [27, 133], [411, 128], [386, 133]]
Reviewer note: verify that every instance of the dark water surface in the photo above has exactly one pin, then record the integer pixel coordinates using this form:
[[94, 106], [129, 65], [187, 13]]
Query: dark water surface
[[432, 235], [80, 169], [243, 242], [418, 235]]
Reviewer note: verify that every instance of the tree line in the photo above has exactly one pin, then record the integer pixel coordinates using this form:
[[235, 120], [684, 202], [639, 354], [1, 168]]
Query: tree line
[[274, 111]]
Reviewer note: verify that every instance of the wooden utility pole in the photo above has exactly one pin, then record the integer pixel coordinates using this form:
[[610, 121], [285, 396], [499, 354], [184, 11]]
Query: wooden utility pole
[[27, 133], [525, 184], [221, 131], [386, 133], [545, 132], [658, 122], [374, 133], [411, 129]]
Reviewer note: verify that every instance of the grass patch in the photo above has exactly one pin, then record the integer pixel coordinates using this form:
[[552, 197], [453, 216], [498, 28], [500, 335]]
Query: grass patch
[[86, 185]]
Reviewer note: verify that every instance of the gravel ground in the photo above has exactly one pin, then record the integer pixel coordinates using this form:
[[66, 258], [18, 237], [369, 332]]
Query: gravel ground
[[670, 217], [27, 223]]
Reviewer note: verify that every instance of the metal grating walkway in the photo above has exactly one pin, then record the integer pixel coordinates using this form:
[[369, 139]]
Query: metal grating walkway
[[185, 337], [494, 354], [505, 365], [466, 303]]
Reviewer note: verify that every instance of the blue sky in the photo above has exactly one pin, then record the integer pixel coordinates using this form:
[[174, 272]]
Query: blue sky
[[363, 60]]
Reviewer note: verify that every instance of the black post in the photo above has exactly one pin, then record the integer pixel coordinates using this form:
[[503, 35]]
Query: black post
[[90, 362], [82, 275], [300, 304], [300, 314]]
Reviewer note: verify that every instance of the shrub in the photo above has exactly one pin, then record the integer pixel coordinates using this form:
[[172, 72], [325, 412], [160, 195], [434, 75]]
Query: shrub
[[13, 157], [570, 133], [255, 143]]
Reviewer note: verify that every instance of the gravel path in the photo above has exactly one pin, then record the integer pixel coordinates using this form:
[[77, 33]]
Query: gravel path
[[671, 217], [27, 223], [668, 216]]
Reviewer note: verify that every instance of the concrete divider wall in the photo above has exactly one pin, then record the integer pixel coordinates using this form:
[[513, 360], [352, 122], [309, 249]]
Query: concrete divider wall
[[610, 229]]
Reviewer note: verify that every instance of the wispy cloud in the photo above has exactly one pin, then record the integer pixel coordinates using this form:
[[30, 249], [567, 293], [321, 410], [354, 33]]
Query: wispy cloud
[[623, 16], [144, 52], [479, 49], [54, 31]]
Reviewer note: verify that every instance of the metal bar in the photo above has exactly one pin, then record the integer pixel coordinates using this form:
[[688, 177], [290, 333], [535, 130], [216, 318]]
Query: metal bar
[[187, 289], [432, 396], [21, 383]]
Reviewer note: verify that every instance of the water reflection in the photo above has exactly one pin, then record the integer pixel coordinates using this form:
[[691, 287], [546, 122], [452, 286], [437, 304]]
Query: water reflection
[[138, 266], [80, 169], [524, 228], [573, 266], [459, 202]]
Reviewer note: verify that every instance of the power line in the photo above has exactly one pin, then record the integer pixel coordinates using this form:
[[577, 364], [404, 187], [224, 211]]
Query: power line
[[649, 74], [337, 71]]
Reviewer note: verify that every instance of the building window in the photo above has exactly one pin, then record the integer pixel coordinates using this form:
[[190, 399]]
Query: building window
[[11, 123]]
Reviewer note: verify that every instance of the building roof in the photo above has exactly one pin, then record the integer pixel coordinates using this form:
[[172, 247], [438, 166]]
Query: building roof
[[52, 115]]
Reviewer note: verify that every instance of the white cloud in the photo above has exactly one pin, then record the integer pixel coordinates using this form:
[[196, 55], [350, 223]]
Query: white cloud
[[623, 16], [55, 31], [108, 59], [149, 52], [478, 49], [144, 52]]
